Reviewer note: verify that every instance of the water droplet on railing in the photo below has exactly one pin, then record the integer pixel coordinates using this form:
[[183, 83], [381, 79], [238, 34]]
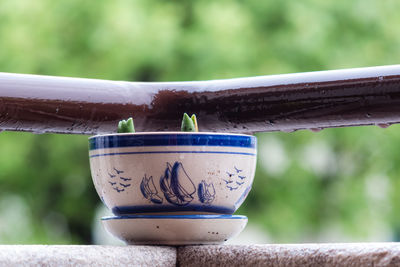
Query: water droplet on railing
[[315, 130], [383, 125]]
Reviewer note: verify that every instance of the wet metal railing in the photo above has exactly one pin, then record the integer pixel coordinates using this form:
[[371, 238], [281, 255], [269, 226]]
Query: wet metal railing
[[288, 102]]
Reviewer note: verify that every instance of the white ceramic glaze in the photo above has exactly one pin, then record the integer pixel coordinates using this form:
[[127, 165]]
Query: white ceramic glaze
[[195, 173], [175, 230]]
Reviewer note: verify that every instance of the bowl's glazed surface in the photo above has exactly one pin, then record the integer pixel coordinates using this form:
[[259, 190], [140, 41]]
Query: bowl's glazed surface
[[172, 172]]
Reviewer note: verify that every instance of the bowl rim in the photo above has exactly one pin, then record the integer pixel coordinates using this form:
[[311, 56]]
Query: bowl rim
[[176, 217], [169, 133]]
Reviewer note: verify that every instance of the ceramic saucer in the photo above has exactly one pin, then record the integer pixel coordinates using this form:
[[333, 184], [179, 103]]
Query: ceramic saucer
[[175, 229]]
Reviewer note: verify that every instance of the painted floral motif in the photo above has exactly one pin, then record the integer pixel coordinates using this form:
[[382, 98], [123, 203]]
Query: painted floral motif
[[206, 192], [149, 190], [176, 185]]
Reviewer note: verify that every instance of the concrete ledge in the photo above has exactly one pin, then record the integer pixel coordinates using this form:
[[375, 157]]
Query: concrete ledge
[[358, 254], [352, 254], [41, 255]]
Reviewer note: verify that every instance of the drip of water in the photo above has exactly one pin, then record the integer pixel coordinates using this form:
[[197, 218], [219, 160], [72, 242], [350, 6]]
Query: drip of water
[[315, 130], [383, 125], [37, 131]]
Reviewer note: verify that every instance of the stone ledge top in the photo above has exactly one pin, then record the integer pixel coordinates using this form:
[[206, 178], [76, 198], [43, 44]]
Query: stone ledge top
[[66, 255], [346, 254]]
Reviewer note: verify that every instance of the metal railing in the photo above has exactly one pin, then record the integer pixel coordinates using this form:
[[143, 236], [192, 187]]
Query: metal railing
[[313, 100]]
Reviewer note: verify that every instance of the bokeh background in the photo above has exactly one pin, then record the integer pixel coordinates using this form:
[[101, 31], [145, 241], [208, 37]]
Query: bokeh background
[[334, 185]]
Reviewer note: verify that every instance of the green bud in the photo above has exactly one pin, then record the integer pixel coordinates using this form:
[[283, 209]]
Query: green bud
[[126, 126], [187, 124], [194, 119]]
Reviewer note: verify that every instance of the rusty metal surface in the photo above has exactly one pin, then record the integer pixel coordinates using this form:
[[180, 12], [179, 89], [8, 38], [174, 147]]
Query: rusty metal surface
[[287, 102]]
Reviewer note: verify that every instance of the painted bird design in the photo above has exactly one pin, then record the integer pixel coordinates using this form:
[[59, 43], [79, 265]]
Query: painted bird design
[[231, 188], [118, 190], [121, 184], [237, 170], [234, 179], [118, 171]]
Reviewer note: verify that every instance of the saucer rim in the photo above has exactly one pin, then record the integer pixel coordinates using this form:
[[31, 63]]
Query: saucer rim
[[177, 217]]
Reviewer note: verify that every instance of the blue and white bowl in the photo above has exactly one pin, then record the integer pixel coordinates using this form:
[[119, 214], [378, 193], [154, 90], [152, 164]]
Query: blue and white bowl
[[173, 172], [175, 229]]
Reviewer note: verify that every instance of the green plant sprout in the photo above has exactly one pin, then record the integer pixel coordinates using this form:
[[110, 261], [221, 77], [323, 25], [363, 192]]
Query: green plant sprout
[[189, 124], [126, 126]]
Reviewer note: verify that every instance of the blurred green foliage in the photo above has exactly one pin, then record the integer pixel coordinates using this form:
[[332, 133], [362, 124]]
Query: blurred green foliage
[[339, 184]]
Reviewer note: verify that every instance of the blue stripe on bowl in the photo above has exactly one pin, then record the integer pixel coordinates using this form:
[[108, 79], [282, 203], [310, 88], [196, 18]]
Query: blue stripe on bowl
[[200, 216], [172, 152], [123, 210], [139, 140]]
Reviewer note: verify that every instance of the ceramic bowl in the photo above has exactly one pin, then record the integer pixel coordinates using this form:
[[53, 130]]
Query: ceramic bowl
[[175, 172], [175, 229]]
